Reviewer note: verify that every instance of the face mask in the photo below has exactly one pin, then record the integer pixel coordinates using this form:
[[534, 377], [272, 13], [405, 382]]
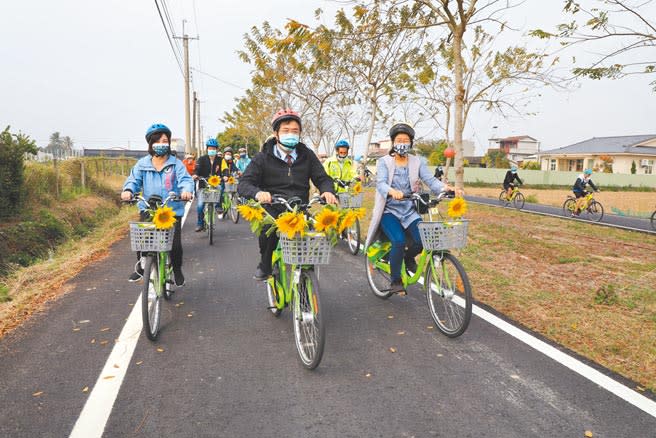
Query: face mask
[[402, 149], [289, 140], [211, 153], [228, 157], [160, 149]]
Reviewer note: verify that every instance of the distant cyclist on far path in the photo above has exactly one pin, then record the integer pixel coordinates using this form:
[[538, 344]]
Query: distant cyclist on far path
[[206, 166], [508, 181], [580, 191]]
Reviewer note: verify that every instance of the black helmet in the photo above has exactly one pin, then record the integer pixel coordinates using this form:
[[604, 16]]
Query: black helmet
[[402, 128]]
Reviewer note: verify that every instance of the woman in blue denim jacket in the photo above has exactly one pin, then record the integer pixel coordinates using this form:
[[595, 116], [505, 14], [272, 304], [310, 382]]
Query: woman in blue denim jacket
[[161, 173]]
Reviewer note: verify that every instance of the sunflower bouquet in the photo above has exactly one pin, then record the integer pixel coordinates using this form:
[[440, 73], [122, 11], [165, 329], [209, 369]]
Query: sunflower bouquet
[[448, 234]]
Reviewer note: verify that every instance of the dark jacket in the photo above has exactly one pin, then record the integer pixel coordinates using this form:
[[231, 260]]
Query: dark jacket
[[510, 177], [204, 168], [268, 173], [581, 183], [228, 168]]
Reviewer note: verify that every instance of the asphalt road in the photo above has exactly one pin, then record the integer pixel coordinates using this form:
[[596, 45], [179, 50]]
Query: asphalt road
[[229, 368], [610, 219]]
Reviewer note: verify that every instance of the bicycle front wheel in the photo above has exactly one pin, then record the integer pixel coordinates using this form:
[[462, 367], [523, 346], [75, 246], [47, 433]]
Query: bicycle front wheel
[[151, 298], [519, 201], [353, 237], [595, 211], [209, 221], [166, 274], [234, 213], [449, 294], [379, 280], [653, 220], [309, 330]]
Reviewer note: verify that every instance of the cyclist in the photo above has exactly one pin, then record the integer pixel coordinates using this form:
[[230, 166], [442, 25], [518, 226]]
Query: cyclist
[[439, 172], [206, 166], [399, 174], [285, 167], [190, 163], [508, 181], [228, 166], [243, 160], [340, 166], [580, 191], [160, 173]]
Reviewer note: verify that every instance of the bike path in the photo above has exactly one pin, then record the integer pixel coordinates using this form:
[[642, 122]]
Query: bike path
[[611, 219], [230, 369]]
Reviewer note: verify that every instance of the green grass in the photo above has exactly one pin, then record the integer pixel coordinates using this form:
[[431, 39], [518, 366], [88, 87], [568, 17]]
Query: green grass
[[4, 294]]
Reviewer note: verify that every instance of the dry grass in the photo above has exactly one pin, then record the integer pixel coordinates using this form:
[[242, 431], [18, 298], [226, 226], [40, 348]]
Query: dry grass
[[550, 276], [32, 287], [633, 203]]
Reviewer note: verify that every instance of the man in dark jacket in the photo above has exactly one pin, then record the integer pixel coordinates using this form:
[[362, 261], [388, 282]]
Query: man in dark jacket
[[206, 166], [284, 167]]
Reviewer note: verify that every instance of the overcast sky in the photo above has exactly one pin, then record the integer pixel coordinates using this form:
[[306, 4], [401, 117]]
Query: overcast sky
[[101, 72]]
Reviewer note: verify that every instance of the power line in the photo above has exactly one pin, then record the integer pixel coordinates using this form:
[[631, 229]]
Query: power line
[[219, 79], [168, 36], [165, 8]]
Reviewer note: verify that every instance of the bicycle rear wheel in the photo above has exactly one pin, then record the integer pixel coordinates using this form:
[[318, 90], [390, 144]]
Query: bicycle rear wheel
[[519, 201], [151, 298], [379, 281], [653, 220], [234, 213], [595, 211], [502, 198], [569, 206], [353, 237], [209, 221], [309, 330], [449, 294]]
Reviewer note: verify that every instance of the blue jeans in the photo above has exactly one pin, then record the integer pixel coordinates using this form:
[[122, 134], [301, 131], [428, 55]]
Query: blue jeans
[[394, 231]]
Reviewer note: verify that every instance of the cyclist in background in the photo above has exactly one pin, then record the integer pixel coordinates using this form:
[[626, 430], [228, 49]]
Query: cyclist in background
[[228, 166], [242, 160], [340, 166], [206, 166], [580, 191], [285, 167], [439, 172], [508, 181], [160, 173]]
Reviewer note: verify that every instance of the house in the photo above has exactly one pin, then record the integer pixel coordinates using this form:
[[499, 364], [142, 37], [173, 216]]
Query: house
[[517, 148], [610, 154], [379, 148]]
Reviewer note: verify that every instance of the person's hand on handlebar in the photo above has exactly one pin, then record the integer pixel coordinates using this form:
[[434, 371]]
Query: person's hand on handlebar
[[186, 196], [194, 177], [126, 195], [329, 197], [459, 192], [263, 197], [395, 194]]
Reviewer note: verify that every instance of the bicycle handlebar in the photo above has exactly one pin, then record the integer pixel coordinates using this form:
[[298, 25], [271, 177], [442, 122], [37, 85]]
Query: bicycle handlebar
[[172, 197], [295, 201]]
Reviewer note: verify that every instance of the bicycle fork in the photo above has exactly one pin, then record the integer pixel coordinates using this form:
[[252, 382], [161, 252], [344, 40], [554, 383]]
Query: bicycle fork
[[303, 315], [443, 284]]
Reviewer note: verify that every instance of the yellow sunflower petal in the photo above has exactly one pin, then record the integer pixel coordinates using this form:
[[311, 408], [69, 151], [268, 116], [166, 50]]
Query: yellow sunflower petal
[[214, 181], [457, 208], [326, 220], [164, 218]]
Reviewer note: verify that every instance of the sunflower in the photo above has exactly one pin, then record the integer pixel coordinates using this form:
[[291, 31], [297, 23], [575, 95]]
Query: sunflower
[[347, 221], [164, 218], [357, 188], [214, 181], [326, 219], [291, 223], [457, 208], [251, 213], [231, 180], [359, 213]]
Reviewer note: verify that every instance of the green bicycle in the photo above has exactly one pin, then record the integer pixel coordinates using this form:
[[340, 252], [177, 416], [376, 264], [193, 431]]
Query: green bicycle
[[210, 196], [230, 200], [154, 246], [516, 198], [448, 290], [347, 200], [294, 283]]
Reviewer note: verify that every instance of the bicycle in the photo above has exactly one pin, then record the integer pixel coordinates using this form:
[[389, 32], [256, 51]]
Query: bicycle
[[653, 220], [448, 290], [591, 208], [298, 285], [369, 178], [230, 201], [346, 200], [154, 246], [516, 198], [210, 197]]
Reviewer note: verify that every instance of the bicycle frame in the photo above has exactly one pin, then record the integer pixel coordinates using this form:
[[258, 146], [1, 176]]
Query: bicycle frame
[[288, 284], [426, 260]]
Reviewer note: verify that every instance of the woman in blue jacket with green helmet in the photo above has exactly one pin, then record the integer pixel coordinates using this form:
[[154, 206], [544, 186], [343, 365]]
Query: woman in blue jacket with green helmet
[[161, 173]]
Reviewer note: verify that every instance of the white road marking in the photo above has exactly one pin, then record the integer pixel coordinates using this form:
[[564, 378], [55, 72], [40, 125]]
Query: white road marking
[[622, 391], [93, 418]]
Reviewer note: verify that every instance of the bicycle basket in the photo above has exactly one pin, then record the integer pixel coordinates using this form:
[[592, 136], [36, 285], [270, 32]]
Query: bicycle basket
[[210, 195], [346, 200], [437, 236], [311, 249], [230, 188], [145, 237]]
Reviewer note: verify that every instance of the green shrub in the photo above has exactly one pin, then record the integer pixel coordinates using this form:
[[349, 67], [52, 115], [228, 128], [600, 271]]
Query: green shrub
[[13, 148], [533, 199], [606, 295]]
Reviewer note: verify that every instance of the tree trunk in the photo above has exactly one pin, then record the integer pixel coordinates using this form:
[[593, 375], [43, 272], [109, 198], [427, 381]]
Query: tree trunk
[[370, 134], [459, 116]]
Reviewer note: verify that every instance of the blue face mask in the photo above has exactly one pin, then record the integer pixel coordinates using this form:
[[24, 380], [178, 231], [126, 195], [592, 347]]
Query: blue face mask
[[211, 153], [402, 149], [289, 140], [161, 149]]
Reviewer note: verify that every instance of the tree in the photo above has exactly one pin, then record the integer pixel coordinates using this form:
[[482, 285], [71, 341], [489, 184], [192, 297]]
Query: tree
[[432, 149], [627, 23], [496, 158], [55, 144], [13, 148], [67, 144], [633, 168], [251, 116], [232, 138]]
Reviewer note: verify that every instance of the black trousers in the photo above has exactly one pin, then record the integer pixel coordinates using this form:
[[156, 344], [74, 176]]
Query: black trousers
[[268, 243], [176, 250]]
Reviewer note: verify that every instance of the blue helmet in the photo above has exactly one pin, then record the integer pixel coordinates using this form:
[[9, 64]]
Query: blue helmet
[[212, 143], [342, 144], [587, 171], [513, 169], [358, 158], [157, 128]]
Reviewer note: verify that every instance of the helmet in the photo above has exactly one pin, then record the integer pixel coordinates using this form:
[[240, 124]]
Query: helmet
[[587, 171], [228, 149], [212, 143], [283, 115], [402, 128], [513, 169], [157, 128], [242, 150], [219, 153], [358, 158], [342, 144]]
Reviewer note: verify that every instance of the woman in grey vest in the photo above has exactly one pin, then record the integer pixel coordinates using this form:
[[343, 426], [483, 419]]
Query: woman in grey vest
[[398, 174]]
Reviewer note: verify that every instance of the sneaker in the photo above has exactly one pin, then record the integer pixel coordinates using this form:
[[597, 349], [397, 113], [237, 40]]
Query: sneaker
[[136, 275], [199, 228], [410, 265], [179, 277], [396, 287], [260, 275]]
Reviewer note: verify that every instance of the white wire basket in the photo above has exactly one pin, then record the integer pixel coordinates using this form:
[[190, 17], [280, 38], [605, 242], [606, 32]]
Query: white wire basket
[[145, 237], [231, 188], [346, 200], [210, 195], [311, 249], [438, 236]]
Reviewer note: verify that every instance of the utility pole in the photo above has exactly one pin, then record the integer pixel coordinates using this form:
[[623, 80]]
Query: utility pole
[[192, 146], [187, 79], [201, 140]]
